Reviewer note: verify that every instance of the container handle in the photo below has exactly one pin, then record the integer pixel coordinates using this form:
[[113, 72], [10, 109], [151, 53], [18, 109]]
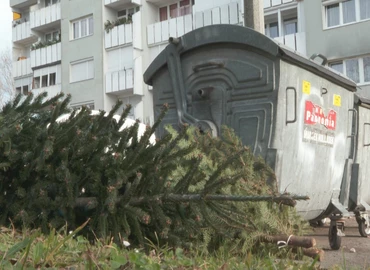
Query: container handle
[[295, 106], [208, 65], [366, 144], [324, 59]]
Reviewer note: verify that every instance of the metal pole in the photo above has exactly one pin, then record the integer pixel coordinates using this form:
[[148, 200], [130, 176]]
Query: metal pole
[[253, 15]]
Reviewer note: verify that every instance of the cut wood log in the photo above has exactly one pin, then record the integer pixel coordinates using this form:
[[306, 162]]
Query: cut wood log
[[312, 253], [295, 241]]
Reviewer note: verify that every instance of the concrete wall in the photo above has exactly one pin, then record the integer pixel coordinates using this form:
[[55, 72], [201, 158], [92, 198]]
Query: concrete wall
[[86, 47], [347, 41], [339, 42]]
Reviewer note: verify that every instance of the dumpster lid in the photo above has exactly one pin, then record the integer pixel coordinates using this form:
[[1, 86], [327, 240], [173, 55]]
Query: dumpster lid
[[362, 101], [224, 33]]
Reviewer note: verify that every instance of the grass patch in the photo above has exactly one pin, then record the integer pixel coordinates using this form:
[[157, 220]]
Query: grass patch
[[68, 250]]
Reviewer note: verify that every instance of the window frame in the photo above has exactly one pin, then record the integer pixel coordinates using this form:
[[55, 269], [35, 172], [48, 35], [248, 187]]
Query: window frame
[[361, 68], [327, 4], [178, 7], [78, 22]]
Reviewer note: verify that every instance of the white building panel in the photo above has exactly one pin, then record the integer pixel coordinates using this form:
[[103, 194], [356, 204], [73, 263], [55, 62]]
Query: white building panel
[[157, 32], [198, 20], [216, 16], [122, 79], [128, 33], [275, 2], [165, 31], [137, 29], [129, 78], [150, 33], [121, 35], [107, 39], [289, 40], [234, 13], [173, 26], [115, 81], [301, 42], [188, 23], [180, 26], [207, 17], [114, 33], [224, 10]]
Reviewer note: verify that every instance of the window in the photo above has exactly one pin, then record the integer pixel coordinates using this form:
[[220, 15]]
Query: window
[[290, 26], [163, 14], [36, 82], [364, 9], [352, 70], [52, 36], [175, 10], [332, 15], [127, 13], [83, 27], [82, 70], [52, 78], [274, 30], [344, 12], [89, 105], [366, 64], [51, 2], [357, 69], [44, 80]]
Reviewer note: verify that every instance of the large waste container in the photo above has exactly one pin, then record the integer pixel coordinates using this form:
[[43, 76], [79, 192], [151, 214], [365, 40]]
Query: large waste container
[[293, 112]]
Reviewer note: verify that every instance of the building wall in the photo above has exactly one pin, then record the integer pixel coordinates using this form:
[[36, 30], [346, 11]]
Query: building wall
[[86, 47], [341, 42]]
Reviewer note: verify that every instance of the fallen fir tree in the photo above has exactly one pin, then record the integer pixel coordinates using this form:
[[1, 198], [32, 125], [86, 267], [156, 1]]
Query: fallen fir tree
[[186, 188]]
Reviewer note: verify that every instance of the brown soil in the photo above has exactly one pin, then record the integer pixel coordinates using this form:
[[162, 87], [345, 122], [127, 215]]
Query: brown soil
[[354, 252]]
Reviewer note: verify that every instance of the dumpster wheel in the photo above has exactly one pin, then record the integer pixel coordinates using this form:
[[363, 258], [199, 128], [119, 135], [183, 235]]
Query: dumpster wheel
[[335, 240], [363, 225]]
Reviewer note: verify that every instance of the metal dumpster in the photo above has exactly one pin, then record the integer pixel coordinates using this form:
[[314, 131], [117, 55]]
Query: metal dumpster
[[296, 114], [359, 187]]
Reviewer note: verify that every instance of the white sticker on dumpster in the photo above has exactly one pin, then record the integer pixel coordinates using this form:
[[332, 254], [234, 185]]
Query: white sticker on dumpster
[[318, 136]]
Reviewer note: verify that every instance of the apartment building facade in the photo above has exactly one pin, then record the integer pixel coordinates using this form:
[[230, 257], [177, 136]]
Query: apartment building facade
[[97, 50]]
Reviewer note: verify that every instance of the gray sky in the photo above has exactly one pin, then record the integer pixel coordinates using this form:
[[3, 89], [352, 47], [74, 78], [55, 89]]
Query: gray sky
[[6, 17]]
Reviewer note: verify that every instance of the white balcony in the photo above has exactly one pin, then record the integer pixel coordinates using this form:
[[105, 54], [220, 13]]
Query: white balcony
[[45, 16], [22, 33], [176, 27], [22, 3], [119, 4], [119, 35], [22, 68], [51, 90], [273, 3], [296, 42], [46, 55], [119, 82]]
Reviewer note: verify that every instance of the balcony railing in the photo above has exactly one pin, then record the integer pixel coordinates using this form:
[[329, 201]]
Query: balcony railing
[[272, 3], [119, 81], [45, 16], [22, 3], [51, 90], [119, 35], [46, 55], [22, 68], [176, 27], [296, 42], [22, 33]]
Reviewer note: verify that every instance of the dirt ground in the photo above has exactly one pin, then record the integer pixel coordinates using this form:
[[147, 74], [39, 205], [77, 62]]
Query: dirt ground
[[354, 252]]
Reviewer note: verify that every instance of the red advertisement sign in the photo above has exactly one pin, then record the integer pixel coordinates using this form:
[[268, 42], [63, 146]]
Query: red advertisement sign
[[314, 114]]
